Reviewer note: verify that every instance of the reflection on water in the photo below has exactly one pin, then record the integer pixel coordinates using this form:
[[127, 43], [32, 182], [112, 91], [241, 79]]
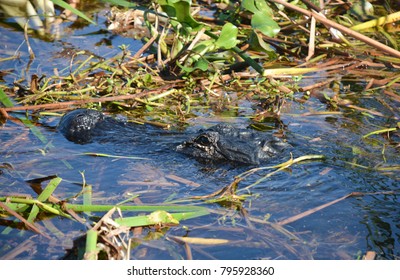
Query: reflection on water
[[345, 230], [60, 51]]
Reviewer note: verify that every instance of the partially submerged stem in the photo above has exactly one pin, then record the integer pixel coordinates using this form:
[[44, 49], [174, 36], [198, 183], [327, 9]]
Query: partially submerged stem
[[377, 22]]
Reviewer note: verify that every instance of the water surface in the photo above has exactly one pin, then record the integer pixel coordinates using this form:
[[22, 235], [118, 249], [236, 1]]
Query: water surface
[[345, 230]]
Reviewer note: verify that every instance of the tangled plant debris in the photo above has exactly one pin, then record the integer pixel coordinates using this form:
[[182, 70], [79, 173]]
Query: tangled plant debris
[[207, 56]]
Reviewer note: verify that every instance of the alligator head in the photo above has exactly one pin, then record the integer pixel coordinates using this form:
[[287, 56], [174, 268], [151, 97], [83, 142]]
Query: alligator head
[[224, 142], [78, 125]]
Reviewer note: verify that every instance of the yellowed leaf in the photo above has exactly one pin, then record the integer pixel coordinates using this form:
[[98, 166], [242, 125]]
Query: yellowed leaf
[[203, 241]]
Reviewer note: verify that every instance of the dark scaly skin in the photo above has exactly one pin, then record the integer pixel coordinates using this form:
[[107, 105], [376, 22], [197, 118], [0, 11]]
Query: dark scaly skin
[[222, 142], [78, 125]]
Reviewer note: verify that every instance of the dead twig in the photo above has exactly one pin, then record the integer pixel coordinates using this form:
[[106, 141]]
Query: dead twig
[[341, 28], [323, 206], [29, 225], [31, 53], [67, 104], [311, 44]]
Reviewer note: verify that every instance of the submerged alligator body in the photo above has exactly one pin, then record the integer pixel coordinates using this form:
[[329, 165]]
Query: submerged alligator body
[[222, 142]]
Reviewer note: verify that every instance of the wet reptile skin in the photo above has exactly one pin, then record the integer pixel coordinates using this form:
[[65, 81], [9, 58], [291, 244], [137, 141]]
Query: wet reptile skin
[[222, 142]]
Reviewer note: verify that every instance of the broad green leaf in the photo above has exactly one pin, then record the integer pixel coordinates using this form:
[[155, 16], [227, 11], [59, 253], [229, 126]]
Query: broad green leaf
[[228, 37], [183, 14], [263, 7], [201, 64], [181, 10], [265, 24], [251, 62], [258, 44], [250, 6], [256, 6]]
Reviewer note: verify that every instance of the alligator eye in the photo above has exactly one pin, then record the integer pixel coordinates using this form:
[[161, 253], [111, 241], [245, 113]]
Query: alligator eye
[[203, 140]]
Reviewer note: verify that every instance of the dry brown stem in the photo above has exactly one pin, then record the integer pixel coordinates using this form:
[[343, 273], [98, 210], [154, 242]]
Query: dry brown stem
[[341, 28], [67, 104]]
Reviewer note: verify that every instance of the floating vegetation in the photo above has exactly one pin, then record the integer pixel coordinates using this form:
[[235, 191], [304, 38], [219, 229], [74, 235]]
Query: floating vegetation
[[198, 60], [189, 60], [27, 210]]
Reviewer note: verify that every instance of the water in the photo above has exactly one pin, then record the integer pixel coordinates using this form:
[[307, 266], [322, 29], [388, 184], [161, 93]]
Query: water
[[344, 230]]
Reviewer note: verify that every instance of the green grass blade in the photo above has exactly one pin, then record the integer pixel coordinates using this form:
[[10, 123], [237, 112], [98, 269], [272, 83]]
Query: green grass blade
[[34, 130], [289, 71], [91, 245], [122, 3], [49, 189], [5, 100], [66, 6], [33, 214], [133, 208], [53, 209], [138, 221], [87, 197], [111, 156], [17, 207], [19, 200], [8, 103], [380, 131], [103, 208], [158, 217], [189, 215]]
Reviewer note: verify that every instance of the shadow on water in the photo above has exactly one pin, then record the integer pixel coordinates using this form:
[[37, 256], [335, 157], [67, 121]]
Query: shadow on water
[[345, 230]]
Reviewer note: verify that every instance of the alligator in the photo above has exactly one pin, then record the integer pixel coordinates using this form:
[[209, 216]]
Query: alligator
[[222, 142]]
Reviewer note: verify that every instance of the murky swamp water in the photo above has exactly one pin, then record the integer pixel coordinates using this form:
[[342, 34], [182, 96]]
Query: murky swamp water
[[345, 230]]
